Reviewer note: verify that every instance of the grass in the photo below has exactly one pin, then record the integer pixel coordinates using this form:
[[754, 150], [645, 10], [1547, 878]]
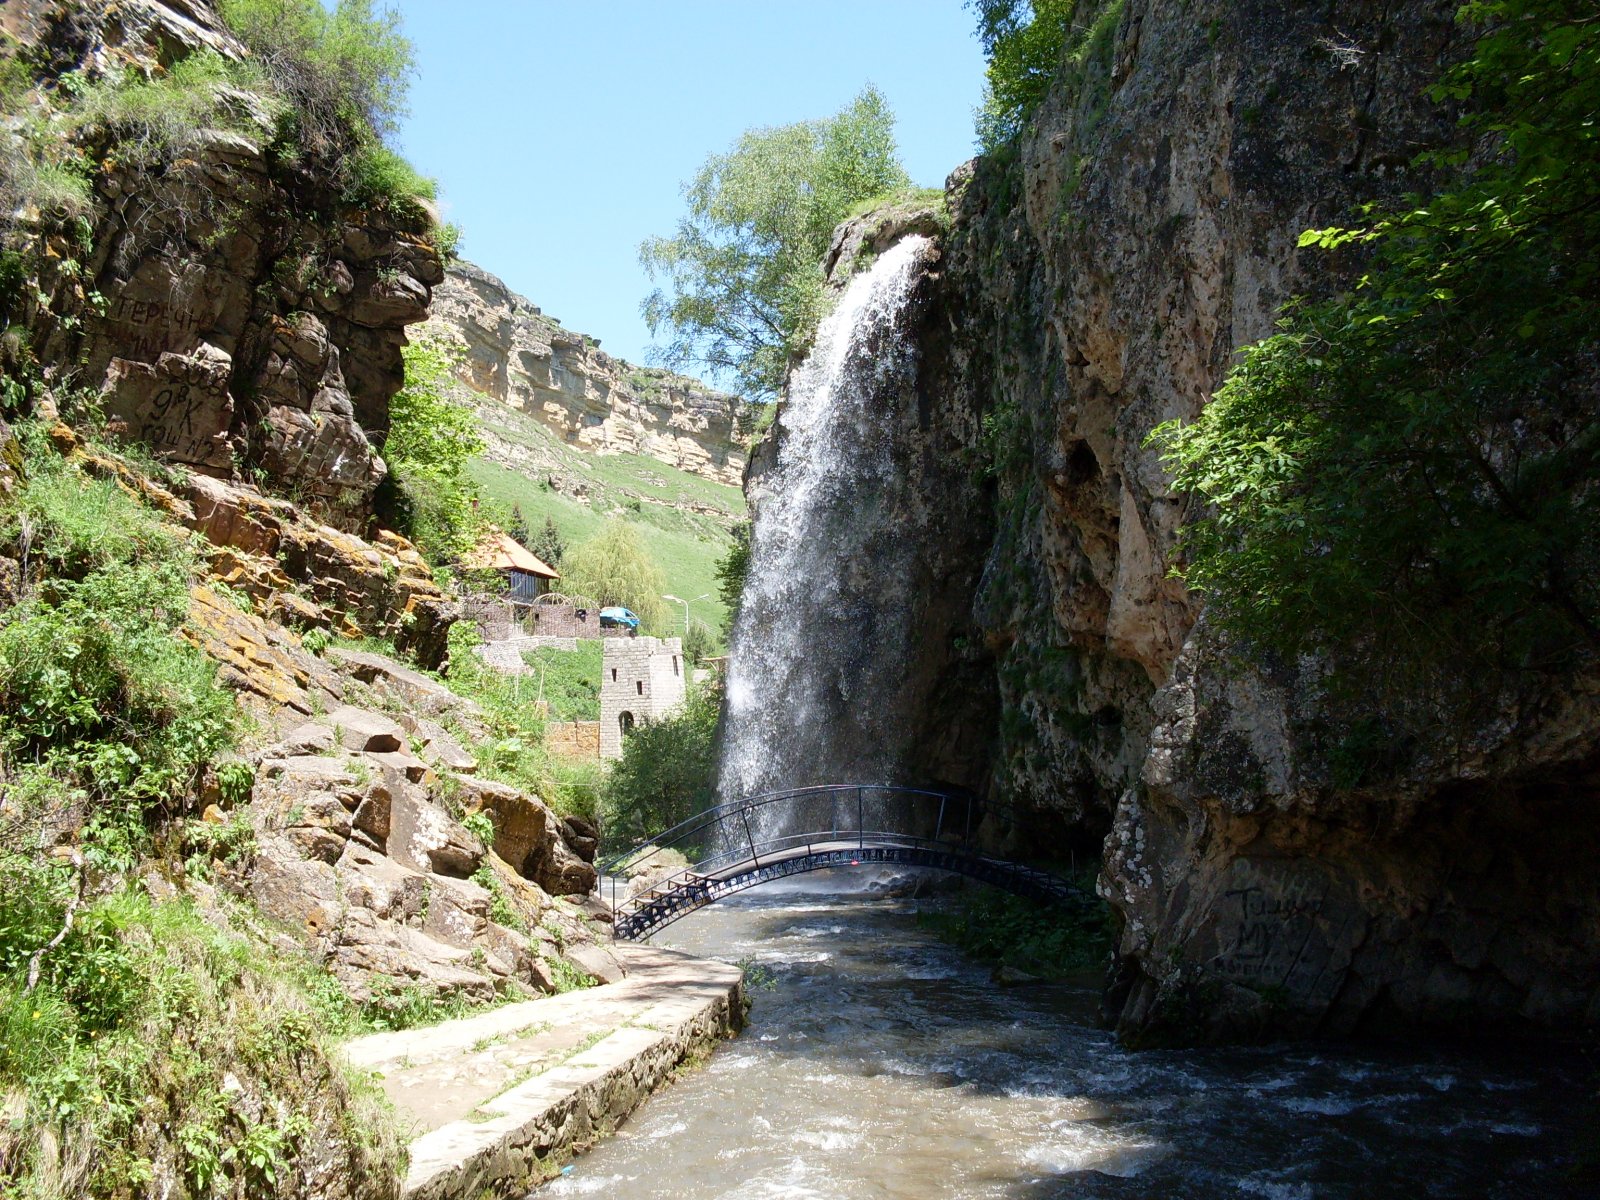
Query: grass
[[1007, 930], [162, 1052], [571, 680], [688, 559]]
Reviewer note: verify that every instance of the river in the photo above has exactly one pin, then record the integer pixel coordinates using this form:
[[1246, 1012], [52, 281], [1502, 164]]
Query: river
[[881, 1063]]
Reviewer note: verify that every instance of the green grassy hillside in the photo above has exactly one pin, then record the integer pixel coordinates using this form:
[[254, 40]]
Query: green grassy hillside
[[684, 520]]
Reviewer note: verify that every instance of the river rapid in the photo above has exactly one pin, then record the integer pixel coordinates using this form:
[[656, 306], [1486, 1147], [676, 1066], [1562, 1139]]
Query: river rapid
[[881, 1063]]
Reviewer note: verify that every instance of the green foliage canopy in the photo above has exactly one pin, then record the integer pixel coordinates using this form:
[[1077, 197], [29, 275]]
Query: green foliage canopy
[[343, 70], [1407, 472], [1023, 41], [432, 435], [613, 568], [667, 771], [743, 271], [732, 571]]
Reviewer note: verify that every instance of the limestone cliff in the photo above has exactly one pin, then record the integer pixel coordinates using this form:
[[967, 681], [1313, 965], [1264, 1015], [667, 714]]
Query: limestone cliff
[[233, 314], [1097, 281], [519, 357]]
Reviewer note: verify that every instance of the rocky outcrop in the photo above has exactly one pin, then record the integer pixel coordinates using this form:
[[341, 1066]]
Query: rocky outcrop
[[235, 317], [292, 569], [1097, 280], [360, 845], [517, 356]]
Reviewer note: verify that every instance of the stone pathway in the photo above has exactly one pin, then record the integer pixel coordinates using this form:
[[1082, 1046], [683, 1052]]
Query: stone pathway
[[492, 1096]]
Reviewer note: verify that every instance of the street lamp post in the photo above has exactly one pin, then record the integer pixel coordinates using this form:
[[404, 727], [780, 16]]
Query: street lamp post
[[685, 603]]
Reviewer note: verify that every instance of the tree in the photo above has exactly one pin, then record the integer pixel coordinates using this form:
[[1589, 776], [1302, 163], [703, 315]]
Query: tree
[[743, 273], [698, 643], [732, 570], [519, 530], [1023, 41], [613, 568], [549, 545], [1406, 474], [428, 494], [667, 771]]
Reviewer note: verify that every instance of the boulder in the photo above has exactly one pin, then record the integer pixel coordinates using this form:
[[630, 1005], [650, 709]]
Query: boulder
[[179, 406], [520, 820], [359, 729], [424, 838], [597, 961]]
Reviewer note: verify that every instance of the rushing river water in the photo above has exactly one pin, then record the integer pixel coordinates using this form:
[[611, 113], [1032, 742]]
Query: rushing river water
[[881, 1063]]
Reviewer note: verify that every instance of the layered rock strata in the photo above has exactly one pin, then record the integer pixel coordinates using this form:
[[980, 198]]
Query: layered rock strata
[[234, 315], [517, 356]]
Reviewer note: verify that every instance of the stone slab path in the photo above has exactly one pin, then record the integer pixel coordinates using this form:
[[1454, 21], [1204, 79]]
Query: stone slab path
[[492, 1096]]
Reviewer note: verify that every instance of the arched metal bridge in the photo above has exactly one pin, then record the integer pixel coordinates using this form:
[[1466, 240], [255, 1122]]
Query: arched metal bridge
[[743, 843]]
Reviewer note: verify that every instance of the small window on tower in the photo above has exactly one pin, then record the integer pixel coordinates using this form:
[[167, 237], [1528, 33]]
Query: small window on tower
[[674, 664], [613, 674], [639, 683]]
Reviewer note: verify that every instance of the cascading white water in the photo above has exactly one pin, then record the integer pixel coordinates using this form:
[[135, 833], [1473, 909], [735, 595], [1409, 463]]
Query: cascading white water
[[818, 653]]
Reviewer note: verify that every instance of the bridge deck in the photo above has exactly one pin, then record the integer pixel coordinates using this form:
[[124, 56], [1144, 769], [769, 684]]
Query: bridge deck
[[839, 825]]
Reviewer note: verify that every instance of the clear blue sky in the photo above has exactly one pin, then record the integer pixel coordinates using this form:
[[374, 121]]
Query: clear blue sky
[[560, 132]]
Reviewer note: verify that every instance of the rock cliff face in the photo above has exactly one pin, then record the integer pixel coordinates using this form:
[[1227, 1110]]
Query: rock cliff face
[[519, 357], [244, 326], [1095, 284], [234, 315]]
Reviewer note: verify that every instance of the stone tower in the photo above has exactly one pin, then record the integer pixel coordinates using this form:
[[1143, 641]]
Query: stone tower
[[640, 677]]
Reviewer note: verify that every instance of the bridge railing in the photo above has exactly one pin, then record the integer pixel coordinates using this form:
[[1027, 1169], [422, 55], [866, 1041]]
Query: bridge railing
[[743, 831]]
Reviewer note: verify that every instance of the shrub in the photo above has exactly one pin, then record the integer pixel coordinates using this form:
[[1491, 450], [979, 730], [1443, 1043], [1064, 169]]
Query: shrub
[[1028, 44], [155, 1036], [432, 435], [514, 753], [94, 682], [1006, 929], [380, 178], [151, 120], [1404, 476], [480, 825]]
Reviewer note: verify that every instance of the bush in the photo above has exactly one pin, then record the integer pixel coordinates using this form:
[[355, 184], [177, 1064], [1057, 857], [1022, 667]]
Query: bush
[[1404, 476], [667, 772], [1028, 43], [1011, 931], [432, 435], [160, 1049], [514, 753], [380, 178], [151, 120], [344, 73]]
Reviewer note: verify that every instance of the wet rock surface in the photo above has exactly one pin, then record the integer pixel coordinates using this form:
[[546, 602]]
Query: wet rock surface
[[1096, 283]]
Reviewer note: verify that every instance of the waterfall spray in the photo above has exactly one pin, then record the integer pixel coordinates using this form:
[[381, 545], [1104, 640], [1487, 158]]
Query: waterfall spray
[[816, 650]]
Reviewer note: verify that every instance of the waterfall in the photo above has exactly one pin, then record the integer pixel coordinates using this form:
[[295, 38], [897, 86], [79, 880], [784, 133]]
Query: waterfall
[[824, 636]]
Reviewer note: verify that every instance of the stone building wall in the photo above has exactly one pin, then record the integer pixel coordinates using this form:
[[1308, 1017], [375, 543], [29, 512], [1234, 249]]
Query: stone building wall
[[641, 677], [573, 739]]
